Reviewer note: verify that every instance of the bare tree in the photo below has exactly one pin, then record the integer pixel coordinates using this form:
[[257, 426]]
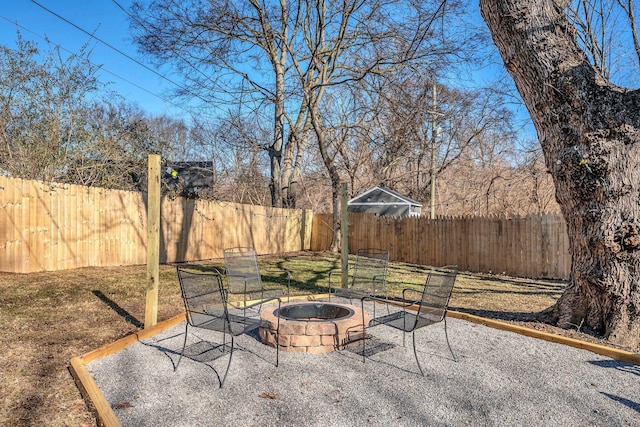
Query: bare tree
[[589, 131], [294, 153], [56, 124], [230, 53], [608, 33], [408, 142], [348, 41], [629, 8], [238, 140], [541, 190], [592, 17], [42, 107]]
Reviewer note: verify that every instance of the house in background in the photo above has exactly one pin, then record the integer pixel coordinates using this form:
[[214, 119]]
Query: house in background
[[382, 201]]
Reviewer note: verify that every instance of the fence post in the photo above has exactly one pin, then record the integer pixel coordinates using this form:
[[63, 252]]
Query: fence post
[[344, 228], [153, 241]]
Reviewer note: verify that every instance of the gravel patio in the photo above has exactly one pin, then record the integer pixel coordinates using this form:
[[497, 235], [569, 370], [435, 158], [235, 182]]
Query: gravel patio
[[500, 378]]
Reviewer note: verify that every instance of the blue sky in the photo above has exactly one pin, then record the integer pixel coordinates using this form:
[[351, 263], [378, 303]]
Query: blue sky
[[110, 24]]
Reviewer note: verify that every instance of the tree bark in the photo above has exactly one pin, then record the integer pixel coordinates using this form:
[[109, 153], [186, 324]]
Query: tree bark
[[332, 170], [589, 131], [292, 159], [275, 150]]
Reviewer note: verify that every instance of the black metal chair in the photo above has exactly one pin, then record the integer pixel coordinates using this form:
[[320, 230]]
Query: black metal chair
[[368, 277], [429, 309], [207, 307], [244, 281]]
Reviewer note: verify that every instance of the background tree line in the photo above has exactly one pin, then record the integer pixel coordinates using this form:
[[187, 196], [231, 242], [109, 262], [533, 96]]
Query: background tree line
[[59, 123]]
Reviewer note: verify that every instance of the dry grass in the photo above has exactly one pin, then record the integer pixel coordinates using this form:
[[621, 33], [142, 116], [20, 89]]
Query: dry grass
[[48, 318]]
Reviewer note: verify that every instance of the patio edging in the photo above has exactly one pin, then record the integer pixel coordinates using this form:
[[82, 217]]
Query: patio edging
[[614, 353], [95, 400]]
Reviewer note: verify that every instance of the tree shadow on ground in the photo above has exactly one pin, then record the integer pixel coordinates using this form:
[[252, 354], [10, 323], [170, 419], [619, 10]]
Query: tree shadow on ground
[[318, 282], [618, 365], [128, 317], [630, 403], [518, 316]]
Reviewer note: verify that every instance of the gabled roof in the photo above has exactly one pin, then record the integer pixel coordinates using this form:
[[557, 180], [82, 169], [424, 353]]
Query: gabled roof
[[382, 196]]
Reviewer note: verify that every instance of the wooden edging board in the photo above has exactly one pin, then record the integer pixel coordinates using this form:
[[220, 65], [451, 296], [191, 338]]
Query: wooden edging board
[[89, 389], [106, 417], [614, 353]]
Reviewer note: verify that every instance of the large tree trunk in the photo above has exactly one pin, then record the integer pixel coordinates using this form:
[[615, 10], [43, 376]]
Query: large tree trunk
[[589, 130], [275, 150], [332, 170], [293, 153]]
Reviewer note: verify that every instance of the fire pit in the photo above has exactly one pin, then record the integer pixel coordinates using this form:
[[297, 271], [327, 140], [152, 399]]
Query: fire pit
[[312, 327]]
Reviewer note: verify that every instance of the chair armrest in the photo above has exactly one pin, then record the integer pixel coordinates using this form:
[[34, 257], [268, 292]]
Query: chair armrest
[[331, 274], [264, 301], [405, 290], [402, 304], [288, 273]]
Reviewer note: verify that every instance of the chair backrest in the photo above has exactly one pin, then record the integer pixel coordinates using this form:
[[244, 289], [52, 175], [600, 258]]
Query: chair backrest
[[370, 270], [202, 294], [435, 296], [242, 271]]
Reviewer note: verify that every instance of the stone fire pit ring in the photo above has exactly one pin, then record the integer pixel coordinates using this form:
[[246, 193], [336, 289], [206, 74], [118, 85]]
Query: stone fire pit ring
[[312, 327]]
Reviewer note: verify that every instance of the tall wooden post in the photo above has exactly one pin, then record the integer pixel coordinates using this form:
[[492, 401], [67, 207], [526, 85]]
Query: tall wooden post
[[344, 229], [432, 196], [153, 242]]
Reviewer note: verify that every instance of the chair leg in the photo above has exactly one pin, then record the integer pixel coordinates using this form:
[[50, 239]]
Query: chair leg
[[364, 336], [446, 335], [278, 337], [224, 340], [229, 362], [404, 328], [184, 344], [415, 353], [386, 299]]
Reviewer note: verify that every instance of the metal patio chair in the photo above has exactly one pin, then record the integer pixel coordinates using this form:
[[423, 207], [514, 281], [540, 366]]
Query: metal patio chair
[[244, 281], [207, 307], [368, 276], [414, 314]]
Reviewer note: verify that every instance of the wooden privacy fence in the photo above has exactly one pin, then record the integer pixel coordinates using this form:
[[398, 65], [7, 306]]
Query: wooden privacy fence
[[48, 227], [534, 246]]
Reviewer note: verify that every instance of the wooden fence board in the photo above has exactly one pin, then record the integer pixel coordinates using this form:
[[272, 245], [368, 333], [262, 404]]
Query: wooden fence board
[[18, 241], [535, 246], [53, 226], [48, 227], [5, 225]]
